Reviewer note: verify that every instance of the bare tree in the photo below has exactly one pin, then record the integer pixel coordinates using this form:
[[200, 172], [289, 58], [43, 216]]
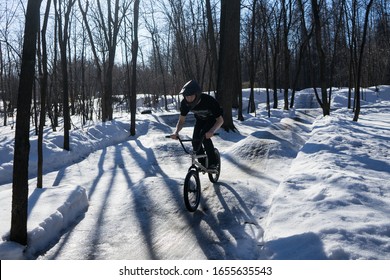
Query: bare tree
[[287, 22], [63, 37], [229, 71], [107, 20], [9, 58], [160, 68], [182, 38], [212, 46], [98, 63], [336, 26], [252, 58], [322, 58], [274, 30], [2, 86], [134, 55], [263, 22], [303, 48], [360, 62], [43, 77], [22, 143]]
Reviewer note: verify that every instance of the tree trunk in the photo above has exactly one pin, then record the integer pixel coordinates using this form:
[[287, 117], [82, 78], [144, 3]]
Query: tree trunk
[[99, 71], [302, 50], [2, 87], [213, 45], [286, 51], [22, 144], [360, 62], [43, 81], [252, 68], [322, 58], [275, 73], [63, 38], [229, 72], [134, 54]]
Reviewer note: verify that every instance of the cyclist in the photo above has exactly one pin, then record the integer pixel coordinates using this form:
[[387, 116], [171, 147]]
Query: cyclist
[[208, 115]]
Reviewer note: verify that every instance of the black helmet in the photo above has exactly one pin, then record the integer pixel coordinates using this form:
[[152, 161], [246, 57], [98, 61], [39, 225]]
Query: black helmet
[[191, 88]]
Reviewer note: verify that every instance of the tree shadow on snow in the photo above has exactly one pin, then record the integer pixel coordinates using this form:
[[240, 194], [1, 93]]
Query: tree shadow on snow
[[306, 246]]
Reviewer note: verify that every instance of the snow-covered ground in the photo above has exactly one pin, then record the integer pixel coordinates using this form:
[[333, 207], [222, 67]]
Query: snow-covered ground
[[294, 186]]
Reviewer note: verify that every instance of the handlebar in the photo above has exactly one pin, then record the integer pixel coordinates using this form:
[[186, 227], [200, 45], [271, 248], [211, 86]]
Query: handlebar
[[181, 142], [187, 140]]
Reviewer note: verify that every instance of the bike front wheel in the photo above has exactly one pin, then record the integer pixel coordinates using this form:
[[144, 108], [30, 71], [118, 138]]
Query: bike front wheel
[[192, 190], [215, 176]]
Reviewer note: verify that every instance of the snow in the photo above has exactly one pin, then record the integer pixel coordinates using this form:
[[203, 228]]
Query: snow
[[294, 186]]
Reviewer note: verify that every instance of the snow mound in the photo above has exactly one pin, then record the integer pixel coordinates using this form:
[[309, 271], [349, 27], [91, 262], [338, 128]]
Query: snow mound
[[328, 194], [49, 231], [273, 142], [253, 148], [82, 142]]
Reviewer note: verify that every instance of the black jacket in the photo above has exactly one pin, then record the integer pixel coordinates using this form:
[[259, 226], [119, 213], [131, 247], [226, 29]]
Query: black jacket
[[207, 108]]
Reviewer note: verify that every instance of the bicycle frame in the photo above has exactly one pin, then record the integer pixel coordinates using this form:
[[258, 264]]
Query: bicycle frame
[[194, 157], [192, 184]]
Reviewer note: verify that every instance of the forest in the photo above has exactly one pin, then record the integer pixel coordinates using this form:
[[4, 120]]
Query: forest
[[88, 50], [61, 58]]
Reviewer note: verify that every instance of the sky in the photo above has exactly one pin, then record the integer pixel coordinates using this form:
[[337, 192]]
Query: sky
[[295, 186]]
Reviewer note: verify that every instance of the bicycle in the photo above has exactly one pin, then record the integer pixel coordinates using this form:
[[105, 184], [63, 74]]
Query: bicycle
[[192, 187]]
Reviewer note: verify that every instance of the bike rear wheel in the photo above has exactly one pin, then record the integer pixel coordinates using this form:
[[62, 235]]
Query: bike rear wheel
[[192, 190], [215, 176]]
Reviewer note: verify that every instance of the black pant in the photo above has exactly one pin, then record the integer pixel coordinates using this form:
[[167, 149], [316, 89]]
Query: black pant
[[201, 127]]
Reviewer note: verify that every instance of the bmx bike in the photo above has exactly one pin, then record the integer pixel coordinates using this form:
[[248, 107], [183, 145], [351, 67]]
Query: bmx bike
[[199, 164]]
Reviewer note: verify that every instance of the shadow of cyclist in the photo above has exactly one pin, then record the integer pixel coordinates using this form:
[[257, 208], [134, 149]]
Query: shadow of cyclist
[[228, 229]]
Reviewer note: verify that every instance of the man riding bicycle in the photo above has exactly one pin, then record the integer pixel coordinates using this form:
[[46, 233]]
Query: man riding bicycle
[[208, 115]]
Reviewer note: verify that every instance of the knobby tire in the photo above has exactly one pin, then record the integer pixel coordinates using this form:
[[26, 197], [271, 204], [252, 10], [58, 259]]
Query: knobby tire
[[192, 190]]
